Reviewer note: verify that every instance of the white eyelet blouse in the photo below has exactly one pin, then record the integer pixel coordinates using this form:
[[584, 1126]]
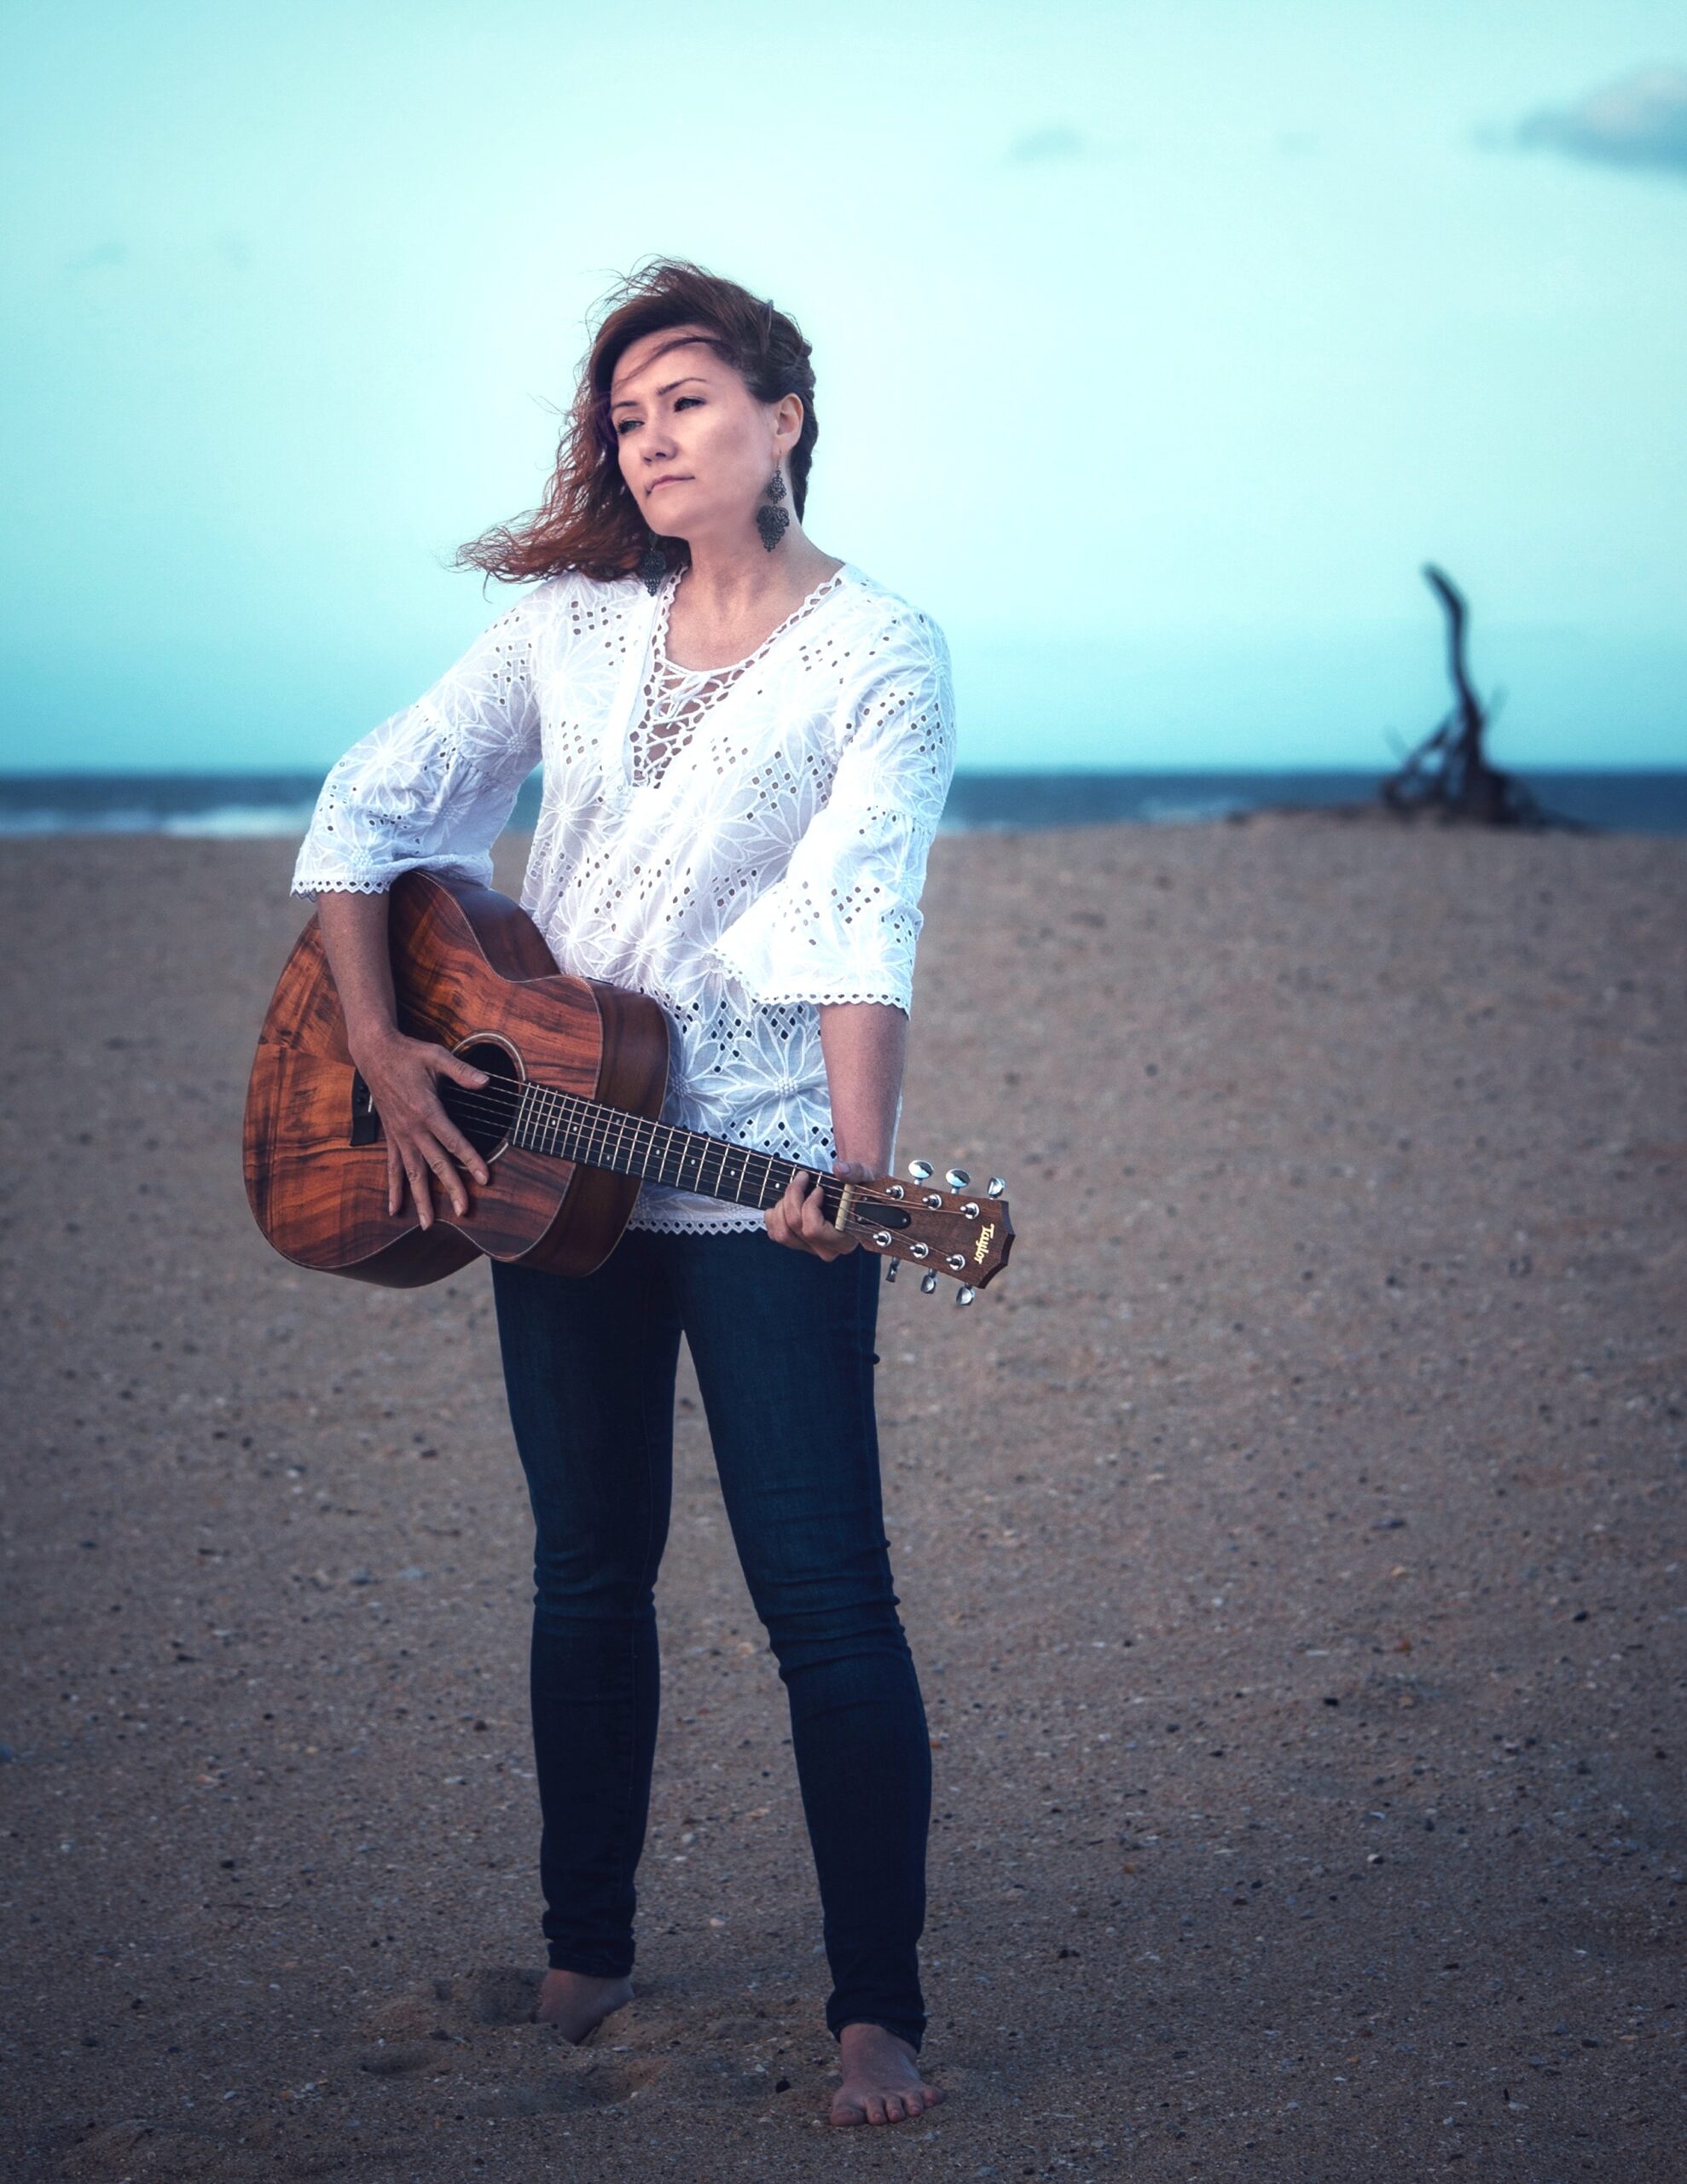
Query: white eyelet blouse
[[740, 843]]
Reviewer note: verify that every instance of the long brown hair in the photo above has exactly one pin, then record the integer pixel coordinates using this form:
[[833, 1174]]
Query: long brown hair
[[589, 521]]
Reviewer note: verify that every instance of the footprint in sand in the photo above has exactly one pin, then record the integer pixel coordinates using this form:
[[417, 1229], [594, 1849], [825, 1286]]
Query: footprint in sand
[[575, 2079], [415, 2031], [452, 2010], [140, 2150], [485, 2018], [502, 1995], [481, 2025], [111, 2152]]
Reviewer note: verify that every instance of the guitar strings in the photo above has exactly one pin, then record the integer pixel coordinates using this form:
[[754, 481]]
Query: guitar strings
[[499, 1100], [505, 1105], [605, 1125], [832, 1186]]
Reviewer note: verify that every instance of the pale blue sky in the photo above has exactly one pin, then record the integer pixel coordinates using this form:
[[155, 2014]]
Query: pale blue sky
[[1158, 345]]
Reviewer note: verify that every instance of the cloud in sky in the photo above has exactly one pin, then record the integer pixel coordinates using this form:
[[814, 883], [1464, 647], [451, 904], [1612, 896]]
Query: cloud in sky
[[1046, 146], [98, 258], [1640, 122]]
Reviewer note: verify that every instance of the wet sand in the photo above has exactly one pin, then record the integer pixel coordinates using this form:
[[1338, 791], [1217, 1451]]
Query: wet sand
[[1290, 1544]]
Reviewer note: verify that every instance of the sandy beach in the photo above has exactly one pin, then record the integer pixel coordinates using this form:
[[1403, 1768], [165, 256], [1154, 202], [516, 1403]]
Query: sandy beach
[[1290, 1544]]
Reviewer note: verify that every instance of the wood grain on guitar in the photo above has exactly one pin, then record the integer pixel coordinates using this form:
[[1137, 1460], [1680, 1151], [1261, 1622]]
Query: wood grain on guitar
[[569, 1120]]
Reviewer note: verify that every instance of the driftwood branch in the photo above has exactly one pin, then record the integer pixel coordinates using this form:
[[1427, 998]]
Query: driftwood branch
[[1448, 774]]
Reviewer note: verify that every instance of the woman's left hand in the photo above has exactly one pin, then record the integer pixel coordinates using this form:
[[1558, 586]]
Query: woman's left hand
[[800, 1220]]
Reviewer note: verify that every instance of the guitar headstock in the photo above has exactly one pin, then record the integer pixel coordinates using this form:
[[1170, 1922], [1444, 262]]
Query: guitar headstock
[[941, 1228]]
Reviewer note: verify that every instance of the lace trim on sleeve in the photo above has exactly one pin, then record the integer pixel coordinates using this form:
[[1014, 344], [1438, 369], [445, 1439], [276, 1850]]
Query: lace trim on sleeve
[[378, 881], [307, 883], [889, 993]]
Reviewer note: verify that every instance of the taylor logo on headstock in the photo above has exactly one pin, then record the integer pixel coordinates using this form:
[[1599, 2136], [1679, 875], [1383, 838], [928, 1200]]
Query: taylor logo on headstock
[[981, 1250]]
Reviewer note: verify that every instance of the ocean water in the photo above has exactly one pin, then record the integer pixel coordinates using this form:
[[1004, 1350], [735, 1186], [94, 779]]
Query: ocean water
[[232, 804]]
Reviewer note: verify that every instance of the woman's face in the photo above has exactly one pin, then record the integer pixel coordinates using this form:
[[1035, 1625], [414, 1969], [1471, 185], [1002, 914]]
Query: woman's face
[[696, 448]]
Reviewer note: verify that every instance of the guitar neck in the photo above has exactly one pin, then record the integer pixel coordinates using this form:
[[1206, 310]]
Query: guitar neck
[[941, 1230], [569, 1128]]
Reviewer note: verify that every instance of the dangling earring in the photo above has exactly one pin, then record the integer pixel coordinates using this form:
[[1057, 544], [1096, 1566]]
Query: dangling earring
[[771, 520], [654, 565]]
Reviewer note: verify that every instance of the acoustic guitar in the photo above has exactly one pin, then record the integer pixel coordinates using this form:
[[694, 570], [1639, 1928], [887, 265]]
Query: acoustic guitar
[[568, 1122]]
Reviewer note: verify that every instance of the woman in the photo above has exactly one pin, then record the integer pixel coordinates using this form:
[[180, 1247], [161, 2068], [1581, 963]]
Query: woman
[[746, 745]]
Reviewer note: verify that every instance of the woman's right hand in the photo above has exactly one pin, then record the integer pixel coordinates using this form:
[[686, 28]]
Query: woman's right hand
[[425, 1149]]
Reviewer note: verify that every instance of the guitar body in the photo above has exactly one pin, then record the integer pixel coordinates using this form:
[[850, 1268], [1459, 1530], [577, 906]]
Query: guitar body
[[471, 972]]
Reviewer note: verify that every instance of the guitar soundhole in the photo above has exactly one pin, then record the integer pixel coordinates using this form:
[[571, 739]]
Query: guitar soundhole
[[484, 1113]]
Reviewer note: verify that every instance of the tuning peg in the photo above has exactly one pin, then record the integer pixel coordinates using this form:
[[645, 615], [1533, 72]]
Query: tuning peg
[[957, 1179], [994, 1188], [890, 1269], [919, 1170], [928, 1282], [965, 1293]]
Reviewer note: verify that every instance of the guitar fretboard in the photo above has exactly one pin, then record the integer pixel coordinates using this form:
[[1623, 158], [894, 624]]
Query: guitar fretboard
[[570, 1128]]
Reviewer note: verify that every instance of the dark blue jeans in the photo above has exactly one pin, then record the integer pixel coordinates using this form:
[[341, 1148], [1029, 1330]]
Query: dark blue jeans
[[782, 1343]]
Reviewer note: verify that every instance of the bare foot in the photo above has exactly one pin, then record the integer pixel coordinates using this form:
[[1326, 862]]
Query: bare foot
[[882, 2082], [577, 2004]]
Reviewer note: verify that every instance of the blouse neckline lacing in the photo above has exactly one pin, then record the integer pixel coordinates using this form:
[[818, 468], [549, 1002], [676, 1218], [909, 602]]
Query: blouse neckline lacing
[[675, 700]]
